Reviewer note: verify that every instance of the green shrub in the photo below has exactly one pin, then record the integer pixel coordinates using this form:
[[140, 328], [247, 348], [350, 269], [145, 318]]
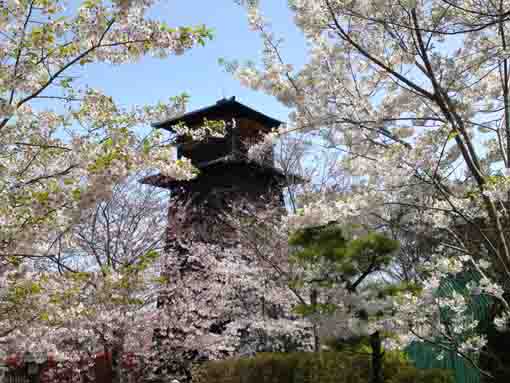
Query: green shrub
[[325, 367]]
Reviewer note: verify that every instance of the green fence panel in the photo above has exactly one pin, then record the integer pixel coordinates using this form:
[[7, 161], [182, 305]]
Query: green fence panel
[[424, 355]]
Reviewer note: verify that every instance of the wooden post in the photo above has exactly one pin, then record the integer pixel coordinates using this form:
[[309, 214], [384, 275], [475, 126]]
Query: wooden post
[[313, 301], [377, 358], [3, 372], [236, 141]]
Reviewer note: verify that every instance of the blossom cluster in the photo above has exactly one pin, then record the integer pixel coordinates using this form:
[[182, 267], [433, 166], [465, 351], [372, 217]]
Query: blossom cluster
[[64, 148], [414, 97]]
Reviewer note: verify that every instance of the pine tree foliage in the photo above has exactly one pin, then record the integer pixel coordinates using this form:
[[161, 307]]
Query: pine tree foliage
[[339, 258]]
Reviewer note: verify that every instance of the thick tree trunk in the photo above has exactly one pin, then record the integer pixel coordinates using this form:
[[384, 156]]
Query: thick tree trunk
[[377, 358], [116, 373], [117, 351], [496, 359]]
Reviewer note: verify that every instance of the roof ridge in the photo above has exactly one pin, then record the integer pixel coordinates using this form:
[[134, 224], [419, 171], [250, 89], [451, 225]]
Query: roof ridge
[[221, 106]]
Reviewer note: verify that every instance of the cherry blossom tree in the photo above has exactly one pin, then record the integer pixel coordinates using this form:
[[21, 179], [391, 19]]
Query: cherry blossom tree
[[416, 96], [86, 139], [101, 295], [63, 148], [224, 296]]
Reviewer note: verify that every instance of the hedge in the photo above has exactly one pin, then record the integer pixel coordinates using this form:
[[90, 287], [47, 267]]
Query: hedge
[[325, 367]]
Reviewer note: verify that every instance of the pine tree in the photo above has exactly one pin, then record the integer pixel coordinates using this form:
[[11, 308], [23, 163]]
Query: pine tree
[[335, 261]]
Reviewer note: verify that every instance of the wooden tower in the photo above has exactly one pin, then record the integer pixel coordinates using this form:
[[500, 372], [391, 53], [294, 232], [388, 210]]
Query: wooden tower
[[226, 176], [197, 212]]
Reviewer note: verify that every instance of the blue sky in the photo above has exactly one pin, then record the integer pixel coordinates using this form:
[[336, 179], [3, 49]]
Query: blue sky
[[197, 72]]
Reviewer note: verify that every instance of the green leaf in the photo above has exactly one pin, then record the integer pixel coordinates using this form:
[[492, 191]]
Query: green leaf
[[452, 135], [76, 194], [146, 147]]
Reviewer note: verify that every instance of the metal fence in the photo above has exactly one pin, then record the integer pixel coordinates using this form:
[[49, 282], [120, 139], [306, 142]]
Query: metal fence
[[425, 355], [16, 376]]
